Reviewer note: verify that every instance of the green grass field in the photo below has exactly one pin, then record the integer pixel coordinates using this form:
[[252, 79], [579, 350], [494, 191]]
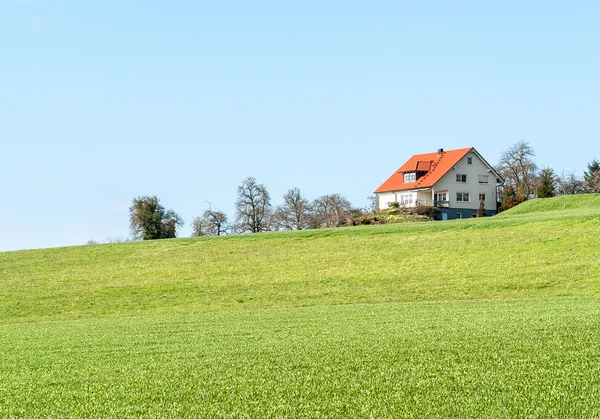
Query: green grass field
[[496, 317]]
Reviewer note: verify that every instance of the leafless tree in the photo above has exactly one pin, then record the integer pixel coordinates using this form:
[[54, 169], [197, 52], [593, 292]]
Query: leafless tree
[[330, 211], [253, 207], [216, 222], [198, 227], [294, 213], [374, 206], [519, 170], [570, 184], [211, 223]]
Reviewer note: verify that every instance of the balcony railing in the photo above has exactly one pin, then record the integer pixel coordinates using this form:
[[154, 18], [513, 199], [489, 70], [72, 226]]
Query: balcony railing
[[430, 203], [441, 204]]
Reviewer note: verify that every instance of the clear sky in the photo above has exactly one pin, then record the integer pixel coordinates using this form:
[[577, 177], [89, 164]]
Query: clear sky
[[104, 101]]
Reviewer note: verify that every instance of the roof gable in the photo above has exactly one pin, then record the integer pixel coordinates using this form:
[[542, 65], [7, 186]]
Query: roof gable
[[437, 164]]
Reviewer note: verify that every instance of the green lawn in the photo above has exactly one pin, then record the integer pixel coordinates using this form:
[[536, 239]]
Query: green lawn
[[496, 317]]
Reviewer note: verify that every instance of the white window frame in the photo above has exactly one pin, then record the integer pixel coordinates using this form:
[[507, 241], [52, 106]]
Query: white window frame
[[441, 196], [407, 199], [410, 177], [462, 197], [460, 177], [469, 160], [484, 179]]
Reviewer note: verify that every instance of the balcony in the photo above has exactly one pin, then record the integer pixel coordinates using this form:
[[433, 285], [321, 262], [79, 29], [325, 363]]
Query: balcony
[[430, 203], [441, 204]]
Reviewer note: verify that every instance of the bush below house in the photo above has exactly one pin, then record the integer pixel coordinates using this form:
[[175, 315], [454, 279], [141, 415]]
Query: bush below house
[[394, 215]]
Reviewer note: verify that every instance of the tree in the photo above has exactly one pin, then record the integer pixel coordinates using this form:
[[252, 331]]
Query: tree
[[212, 223], [330, 211], [519, 170], [149, 220], [570, 184], [591, 177], [374, 206], [198, 227], [294, 213], [253, 207], [481, 209], [509, 198], [547, 187]]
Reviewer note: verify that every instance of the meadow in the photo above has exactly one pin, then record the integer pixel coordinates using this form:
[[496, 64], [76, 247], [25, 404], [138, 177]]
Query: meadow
[[492, 317]]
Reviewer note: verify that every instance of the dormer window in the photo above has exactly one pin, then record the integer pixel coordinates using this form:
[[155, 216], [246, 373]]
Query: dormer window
[[410, 177]]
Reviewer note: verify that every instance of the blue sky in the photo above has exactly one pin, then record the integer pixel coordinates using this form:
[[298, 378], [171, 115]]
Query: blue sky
[[106, 101]]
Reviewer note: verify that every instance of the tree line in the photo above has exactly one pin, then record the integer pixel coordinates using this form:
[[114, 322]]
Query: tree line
[[254, 213], [524, 179]]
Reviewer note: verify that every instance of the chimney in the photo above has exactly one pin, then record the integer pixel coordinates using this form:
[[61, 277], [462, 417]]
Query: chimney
[[440, 151]]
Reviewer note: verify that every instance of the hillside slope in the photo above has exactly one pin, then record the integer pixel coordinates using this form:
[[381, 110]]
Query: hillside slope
[[541, 248], [495, 317], [560, 204]]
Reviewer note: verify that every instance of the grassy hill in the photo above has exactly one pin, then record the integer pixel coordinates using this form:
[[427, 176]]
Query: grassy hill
[[495, 317]]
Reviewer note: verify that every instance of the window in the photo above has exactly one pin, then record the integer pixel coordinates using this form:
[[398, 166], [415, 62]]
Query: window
[[461, 178], [440, 197], [469, 160], [482, 197], [458, 215], [484, 179], [462, 197], [410, 177], [406, 199]]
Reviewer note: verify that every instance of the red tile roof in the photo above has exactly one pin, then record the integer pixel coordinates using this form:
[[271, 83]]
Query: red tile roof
[[436, 165]]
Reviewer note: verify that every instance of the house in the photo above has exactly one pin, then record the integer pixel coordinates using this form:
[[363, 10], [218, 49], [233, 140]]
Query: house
[[456, 181]]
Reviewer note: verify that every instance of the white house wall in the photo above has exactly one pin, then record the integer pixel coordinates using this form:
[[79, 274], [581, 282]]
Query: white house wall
[[385, 199], [410, 199], [424, 197], [472, 186]]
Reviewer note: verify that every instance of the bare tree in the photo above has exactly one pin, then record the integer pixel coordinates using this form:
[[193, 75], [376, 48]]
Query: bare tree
[[330, 211], [374, 206], [216, 222], [211, 223], [570, 184], [519, 170], [198, 227], [294, 213], [253, 207]]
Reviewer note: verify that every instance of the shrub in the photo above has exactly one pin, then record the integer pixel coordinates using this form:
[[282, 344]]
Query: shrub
[[395, 219], [431, 213]]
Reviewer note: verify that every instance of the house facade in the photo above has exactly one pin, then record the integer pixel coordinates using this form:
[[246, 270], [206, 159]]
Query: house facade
[[455, 181]]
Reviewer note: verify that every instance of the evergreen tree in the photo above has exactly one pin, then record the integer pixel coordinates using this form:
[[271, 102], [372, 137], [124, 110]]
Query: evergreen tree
[[592, 176], [547, 188], [509, 199], [481, 210]]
